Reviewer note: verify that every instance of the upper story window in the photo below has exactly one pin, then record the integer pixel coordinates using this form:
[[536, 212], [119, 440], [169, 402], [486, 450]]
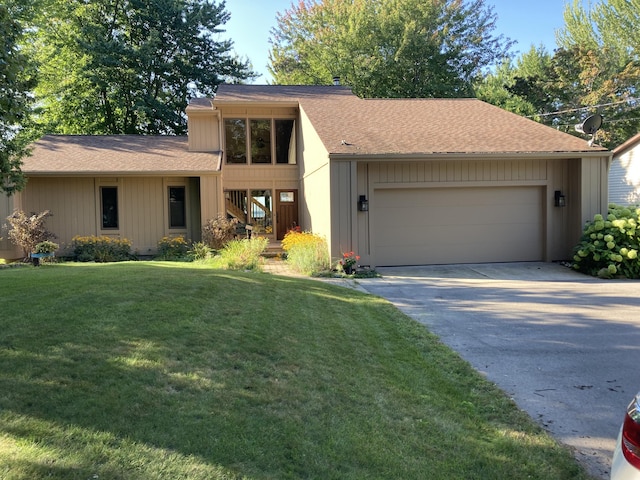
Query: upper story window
[[260, 141]]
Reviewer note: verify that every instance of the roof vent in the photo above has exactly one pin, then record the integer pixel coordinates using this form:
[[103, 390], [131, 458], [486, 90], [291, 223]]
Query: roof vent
[[336, 81]]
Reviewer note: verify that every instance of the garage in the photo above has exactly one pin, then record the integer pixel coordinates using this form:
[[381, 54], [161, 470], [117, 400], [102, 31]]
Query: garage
[[417, 226]]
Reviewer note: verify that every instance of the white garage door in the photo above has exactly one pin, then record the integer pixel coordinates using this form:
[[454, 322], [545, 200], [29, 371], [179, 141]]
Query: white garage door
[[457, 225]]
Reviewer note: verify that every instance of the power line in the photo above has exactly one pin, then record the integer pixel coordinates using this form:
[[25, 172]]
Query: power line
[[558, 112]]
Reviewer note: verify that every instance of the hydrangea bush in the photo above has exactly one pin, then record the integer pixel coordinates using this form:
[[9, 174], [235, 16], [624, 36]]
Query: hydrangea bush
[[608, 247]]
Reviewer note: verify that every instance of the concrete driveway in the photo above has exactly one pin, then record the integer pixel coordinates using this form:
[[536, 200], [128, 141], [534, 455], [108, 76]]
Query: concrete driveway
[[564, 346]]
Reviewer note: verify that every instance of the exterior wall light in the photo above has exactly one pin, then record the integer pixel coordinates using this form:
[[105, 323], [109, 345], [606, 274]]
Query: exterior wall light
[[363, 204], [560, 201]]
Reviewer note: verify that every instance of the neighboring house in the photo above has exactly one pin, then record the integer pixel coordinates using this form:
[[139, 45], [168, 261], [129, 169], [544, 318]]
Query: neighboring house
[[397, 181], [624, 175]]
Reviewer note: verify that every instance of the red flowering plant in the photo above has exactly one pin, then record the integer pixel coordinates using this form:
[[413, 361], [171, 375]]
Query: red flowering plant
[[349, 260]]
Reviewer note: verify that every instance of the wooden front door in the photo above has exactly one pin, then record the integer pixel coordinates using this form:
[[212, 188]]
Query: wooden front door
[[286, 211]]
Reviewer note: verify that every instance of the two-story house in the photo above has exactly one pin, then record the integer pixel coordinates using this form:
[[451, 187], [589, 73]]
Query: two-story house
[[398, 181]]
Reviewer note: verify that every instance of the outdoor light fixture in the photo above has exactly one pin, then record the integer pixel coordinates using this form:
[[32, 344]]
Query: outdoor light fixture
[[363, 204], [560, 201]]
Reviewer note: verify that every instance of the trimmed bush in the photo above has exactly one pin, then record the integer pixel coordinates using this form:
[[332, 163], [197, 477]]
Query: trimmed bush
[[609, 246], [307, 253], [173, 248], [244, 254], [101, 249]]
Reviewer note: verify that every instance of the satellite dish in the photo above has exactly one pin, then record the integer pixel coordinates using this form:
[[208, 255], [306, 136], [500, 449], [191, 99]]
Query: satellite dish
[[591, 125]]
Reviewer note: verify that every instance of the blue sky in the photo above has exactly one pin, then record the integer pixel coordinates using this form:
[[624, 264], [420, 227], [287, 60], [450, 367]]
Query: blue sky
[[527, 22]]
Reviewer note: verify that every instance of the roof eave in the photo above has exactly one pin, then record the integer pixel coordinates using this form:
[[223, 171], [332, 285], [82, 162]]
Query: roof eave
[[467, 155]]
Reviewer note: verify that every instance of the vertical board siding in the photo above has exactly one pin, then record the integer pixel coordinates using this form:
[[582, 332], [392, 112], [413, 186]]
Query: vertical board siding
[[450, 171]]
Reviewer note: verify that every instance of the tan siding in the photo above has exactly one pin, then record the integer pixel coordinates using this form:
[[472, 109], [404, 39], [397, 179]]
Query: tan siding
[[8, 251], [143, 212], [142, 205], [204, 133], [460, 171], [210, 198], [594, 187], [72, 202], [316, 187], [253, 176]]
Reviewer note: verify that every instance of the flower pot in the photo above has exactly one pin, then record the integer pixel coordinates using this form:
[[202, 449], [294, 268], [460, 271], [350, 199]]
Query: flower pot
[[35, 257], [348, 269]]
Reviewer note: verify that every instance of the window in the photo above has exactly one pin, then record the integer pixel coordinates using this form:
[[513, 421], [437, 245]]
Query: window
[[261, 211], [268, 141], [260, 141], [109, 207], [177, 208], [285, 142], [236, 140], [259, 204]]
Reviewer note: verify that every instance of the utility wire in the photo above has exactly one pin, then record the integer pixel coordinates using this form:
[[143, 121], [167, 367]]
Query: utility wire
[[633, 99]]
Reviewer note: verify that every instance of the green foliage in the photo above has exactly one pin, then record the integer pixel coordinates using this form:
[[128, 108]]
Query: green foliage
[[217, 232], [16, 81], [244, 254], [609, 246], [172, 248], [404, 48], [307, 253], [46, 247], [28, 230], [114, 66], [199, 251], [101, 249]]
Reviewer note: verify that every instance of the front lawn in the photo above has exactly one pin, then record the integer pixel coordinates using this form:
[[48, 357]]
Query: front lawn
[[159, 370]]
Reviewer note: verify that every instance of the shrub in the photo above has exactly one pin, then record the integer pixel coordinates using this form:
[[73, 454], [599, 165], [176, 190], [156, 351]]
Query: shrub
[[101, 249], [609, 246], [172, 248], [28, 230], [217, 232], [244, 254], [46, 247], [199, 251], [307, 253]]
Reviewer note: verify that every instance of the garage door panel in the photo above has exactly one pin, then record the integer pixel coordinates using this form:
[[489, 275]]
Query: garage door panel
[[463, 225]]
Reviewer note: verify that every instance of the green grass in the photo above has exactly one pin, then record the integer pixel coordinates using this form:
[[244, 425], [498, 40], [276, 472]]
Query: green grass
[[161, 370]]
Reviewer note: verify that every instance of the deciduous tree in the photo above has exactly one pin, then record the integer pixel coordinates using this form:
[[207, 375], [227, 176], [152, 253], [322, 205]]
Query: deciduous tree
[[385, 48], [129, 66], [15, 82]]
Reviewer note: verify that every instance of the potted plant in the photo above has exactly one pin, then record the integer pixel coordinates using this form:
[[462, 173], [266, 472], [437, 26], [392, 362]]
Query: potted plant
[[349, 262], [44, 249]]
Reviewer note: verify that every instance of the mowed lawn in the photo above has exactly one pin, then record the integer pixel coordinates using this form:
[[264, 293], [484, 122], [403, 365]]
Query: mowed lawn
[[159, 370]]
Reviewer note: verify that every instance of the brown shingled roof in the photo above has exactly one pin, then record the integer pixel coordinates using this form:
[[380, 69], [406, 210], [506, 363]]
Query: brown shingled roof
[[118, 154], [349, 125]]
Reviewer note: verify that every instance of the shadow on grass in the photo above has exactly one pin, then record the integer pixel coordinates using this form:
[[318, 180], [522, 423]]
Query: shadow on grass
[[123, 372]]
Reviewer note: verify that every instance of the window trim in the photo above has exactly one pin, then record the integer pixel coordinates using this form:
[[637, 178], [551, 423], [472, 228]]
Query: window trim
[[184, 208], [99, 185], [247, 119]]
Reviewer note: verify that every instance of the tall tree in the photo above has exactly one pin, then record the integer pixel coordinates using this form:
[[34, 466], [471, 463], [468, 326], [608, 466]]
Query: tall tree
[[604, 43], [15, 82], [387, 48], [129, 66]]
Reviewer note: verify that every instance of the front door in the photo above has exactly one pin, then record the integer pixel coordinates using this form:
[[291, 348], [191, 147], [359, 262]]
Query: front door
[[286, 211]]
